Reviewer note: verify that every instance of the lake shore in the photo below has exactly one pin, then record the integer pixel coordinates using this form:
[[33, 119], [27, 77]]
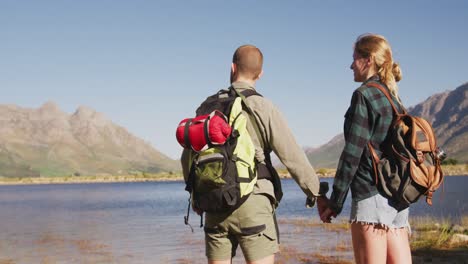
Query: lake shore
[[449, 170], [142, 223], [432, 240], [91, 179]]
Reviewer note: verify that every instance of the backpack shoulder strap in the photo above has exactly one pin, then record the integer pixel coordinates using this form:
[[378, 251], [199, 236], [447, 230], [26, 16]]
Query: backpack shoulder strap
[[249, 92], [243, 95], [375, 157], [274, 177], [387, 94]]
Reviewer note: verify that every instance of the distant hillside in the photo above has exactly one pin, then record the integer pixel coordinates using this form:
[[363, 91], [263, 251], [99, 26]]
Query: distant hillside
[[327, 155], [49, 142], [448, 112]]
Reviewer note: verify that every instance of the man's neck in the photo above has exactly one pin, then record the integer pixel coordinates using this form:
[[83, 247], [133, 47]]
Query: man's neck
[[248, 81]]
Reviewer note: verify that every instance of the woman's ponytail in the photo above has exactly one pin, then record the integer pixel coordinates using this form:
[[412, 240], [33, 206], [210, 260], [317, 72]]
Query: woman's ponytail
[[390, 73], [396, 72], [377, 47]]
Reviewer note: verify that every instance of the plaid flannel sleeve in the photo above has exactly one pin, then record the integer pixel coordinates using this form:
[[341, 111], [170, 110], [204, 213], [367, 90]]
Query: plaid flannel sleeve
[[357, 134]]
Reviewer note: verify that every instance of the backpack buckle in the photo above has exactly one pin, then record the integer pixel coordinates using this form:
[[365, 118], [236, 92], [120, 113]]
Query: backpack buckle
[[420, 156]]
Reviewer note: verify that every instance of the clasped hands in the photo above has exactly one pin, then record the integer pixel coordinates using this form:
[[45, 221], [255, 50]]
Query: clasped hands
[[324, 210]]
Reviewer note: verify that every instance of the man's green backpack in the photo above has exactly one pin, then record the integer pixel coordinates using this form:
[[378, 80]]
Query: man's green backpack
[[222, 177]]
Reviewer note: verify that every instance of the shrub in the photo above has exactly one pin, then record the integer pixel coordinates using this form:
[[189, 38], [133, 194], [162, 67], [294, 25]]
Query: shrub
[[450, 161]]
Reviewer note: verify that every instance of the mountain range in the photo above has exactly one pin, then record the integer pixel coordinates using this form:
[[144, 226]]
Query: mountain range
[[49, 142], [448, 114]]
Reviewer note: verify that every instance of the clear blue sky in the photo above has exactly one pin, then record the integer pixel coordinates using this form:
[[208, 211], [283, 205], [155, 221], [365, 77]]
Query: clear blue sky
[[148, 64]]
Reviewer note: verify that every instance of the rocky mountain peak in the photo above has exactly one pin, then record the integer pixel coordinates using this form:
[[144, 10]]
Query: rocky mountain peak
[[84, 114], [49, 106], [47, 141], [84, 111], [50, 110]]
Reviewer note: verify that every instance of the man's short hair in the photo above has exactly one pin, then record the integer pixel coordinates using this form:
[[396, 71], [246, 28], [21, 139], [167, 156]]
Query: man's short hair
[[249, 61]]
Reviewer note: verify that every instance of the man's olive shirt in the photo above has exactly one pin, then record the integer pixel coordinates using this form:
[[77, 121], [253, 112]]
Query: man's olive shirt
[[278, 138]]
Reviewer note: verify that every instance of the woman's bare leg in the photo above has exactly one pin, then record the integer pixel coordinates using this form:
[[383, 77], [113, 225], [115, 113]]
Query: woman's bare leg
[[398, 247], [369, 243]]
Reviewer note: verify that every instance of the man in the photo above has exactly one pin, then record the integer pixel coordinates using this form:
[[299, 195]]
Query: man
[[253, 225]]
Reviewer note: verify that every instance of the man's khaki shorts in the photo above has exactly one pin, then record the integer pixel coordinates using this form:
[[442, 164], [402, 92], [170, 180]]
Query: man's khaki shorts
[[251, 226]]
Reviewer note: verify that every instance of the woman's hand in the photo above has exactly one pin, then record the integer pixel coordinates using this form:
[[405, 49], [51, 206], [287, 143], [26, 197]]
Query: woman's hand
[[327, 215]]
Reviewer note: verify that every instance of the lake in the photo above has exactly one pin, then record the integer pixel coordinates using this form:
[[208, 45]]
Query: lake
[[143, 222]]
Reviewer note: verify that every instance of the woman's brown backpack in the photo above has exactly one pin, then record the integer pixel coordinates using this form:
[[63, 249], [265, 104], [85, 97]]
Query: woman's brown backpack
[[410, 162]]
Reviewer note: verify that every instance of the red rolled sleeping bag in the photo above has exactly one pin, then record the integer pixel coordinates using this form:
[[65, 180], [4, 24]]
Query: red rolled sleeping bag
[[196, 133]]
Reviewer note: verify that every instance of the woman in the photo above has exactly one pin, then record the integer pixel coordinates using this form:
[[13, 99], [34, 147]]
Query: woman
[[379, 229]]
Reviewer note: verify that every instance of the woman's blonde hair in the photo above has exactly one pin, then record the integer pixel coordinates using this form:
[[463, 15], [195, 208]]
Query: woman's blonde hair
[[378, 49]]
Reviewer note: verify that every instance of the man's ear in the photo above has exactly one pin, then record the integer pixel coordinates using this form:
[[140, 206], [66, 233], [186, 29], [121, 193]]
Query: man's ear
[[260, 75], [233, 67]]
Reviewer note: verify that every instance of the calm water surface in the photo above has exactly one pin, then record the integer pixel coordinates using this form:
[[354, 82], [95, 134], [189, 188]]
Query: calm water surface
[[143, 222]]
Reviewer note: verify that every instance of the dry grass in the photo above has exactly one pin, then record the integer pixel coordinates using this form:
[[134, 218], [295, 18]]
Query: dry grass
[[319, 252], [292, 255], [325, 259], [321, 172], [343, 246], [49, 238], [430, 242], [338, 227], [459, 169], [97, 252], [88, 246], [431, 234], [145, 177], [309, 223], [302, 222], [464, 221], [48, 260], [326, 172]]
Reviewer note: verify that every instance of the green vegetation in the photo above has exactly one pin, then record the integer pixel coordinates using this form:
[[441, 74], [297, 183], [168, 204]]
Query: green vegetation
[[134, 176], [433, 240], [324, 172], [450, 161], [448, 169], [444, 241], [76, 178], [432, 234]]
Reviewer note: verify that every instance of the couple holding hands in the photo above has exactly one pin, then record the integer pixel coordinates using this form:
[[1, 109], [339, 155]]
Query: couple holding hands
[[380, 230]]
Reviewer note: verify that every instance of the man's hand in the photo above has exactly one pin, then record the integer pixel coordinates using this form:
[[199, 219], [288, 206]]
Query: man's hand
[[322, 204], [327, 215]]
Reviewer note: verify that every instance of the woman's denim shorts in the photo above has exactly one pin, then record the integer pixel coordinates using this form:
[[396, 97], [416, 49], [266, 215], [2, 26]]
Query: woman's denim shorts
[[379, 211]]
